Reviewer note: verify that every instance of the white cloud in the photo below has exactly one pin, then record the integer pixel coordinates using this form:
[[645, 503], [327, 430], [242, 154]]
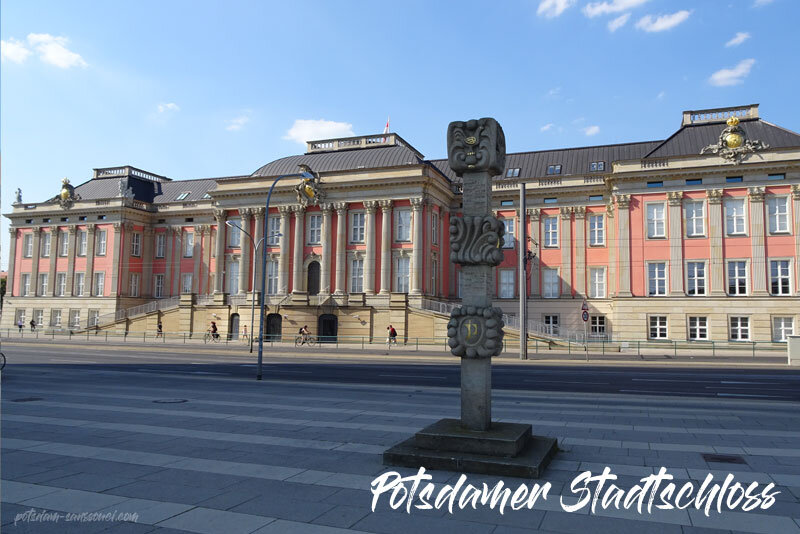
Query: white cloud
[[661, 95], [591, 130], [553, 8], [738, 39], [596, 9], [237, 123], [619, 22], [315, 129], [14, 51], [734, 76], [53, 50], [759, 3], [546, 127], [662, 22], [169, 106], [555, 92]]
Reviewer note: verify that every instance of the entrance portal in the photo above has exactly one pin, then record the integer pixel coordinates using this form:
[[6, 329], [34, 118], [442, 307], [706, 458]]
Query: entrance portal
[[274, 327], [234, 328], [328, 328]]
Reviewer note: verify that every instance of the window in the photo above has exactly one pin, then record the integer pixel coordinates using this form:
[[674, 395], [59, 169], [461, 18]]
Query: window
[[695, 218], [734, 216], [779, 277], [55, 318], [158, 286], [273, 231], [19, 316], [188, 244], [46, 238], [206, 196], [27, 245], [597, 282], [698, 328], [551, 324], [80, 284], [99, 284], [357, 276], [161, 241], [655, 183], [434, 276], [82, 234], [512, 173], [597, 326], [778, 211], [737, 278], [94, 317], [272, 277], [596, 166], [657, 279], [554, 169], [551, 232], [25, 285], [696, 278], [357, 226], [38, 317], [401, 274], [314, 229], [550, 200], [595, 198], [551, 283], [508, 236], [776, 177], [74, 318], [740, 328], [183, 195], [658, 327], [782, 328], [402, 223], [133, 285], [506, 202], [136, 245], [186, 283], [234, 233], [61, 284], [435, 228], [506, 284], [44, 278], [101, 243], [655, 221], [733, 179], [63, 243], [233, 277], [596, 230], [694, 181]]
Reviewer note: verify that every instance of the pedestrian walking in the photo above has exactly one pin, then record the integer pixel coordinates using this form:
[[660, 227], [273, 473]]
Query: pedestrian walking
[[159, 330], [33, 325], [19, 324], [392, 336]]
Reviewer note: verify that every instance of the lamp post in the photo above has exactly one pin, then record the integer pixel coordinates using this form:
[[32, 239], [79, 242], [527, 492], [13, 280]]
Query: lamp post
[[307, 174]]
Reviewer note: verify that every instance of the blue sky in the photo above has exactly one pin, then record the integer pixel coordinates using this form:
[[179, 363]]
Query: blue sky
[[197, 89]]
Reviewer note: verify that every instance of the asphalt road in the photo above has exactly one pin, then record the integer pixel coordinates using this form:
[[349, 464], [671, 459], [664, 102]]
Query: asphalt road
[[718, 382]]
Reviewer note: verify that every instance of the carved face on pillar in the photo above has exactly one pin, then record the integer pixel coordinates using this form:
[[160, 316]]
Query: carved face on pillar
[[476, 145]]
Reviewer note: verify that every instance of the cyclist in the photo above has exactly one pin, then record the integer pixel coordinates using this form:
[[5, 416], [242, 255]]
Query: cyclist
[[304, 333], [214, 330]]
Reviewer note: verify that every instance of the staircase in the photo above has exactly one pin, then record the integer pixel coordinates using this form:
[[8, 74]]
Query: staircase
[[142, 309]]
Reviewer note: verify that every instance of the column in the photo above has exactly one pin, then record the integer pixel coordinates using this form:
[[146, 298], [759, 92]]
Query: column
[[258, 214], [758, 261], [37, 252], [115, 259], [124, 284], [325, 265], [386, 246], [244, 243], [341, 244], [205, 288], [675, 204], [416, 251], [297, 268], [72, 233], [624, 244], [219, 268], [146, 284], [168, 263], [51, 287], [12, 256], [796, 200], [566, 252], [283, 270], [536, 248], [90, 242], [580, 250], [369, 259], [197, 252], [611, 243], [715, 225]]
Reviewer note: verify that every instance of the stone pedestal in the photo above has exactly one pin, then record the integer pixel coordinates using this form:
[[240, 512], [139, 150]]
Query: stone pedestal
[[793, 347]]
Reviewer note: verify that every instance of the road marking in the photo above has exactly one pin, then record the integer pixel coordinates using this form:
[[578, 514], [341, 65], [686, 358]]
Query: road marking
[[569, 382], [669, 380], [658, 392], [746, 395], [417, 376], [289, 371], [738, 382], [73, 361], [206, 373]]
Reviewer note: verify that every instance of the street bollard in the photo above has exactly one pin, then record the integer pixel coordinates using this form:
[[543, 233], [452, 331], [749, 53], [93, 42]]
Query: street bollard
[[638, 349], [754, 350], [675, 347], [569, 347], [362, 343], [713, 350], [417, 344]]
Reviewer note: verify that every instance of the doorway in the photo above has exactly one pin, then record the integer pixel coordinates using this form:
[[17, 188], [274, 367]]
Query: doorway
[[327, 328], [313, 278], [274, 327], [233, 334]]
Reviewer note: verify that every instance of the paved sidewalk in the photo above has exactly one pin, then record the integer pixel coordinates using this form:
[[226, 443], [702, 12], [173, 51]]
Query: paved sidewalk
[[282, 457]]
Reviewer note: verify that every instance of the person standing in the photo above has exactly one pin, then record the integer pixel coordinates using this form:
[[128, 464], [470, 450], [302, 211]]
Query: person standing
[[19, 324], [33, 325], [159, 330]]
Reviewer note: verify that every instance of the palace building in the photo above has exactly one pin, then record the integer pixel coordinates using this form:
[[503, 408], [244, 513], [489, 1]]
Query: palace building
[[695, 237]]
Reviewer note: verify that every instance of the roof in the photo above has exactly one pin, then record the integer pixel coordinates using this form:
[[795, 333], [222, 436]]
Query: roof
[[343, 160], [149, 191], [690, 139]]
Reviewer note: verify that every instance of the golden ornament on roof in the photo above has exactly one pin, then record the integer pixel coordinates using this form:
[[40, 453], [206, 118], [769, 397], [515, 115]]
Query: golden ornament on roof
[[734, 140], [733, 121], [64, 194]]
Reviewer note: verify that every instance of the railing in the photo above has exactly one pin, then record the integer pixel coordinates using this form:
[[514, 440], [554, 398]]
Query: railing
[[149, 307], [719, 114], [204, 300], [654, 163], [127, 170], [438, 306], [546, 182], [593, 179]]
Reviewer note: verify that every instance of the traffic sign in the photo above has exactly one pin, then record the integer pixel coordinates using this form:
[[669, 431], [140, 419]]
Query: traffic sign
[[585, 307], [585, 315]]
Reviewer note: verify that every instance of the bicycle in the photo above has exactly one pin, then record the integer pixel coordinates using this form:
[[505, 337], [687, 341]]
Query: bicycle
[[2, 361], [211, 337], [309, 340]]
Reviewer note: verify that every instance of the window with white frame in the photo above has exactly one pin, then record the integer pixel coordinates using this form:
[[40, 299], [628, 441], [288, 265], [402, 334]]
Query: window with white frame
[[272, 277], [694, 211], [94, 317], [597, 282], [273, 231], [435, 228], [655, 220], [61, 284], [356, 275], [739, 328], [734, 216], [508, 236], [434, 276], [778, 212], [27, 245], [38, 317], [99, 284], [597, 326], [782, 328], [136, 245], [402, 265], [82, 237], [46, 241], [779, 277], [737, 278], [551, 283], [233, 277], [161, 243], [698, 328], [101, 243], [25, 285], [234, 233], [656, 279], [314, 229], [19, 316], [597, 235], [188, 244], [551, 231], [63, 243], [357, 225], [74, 318], [186, 283], [44, 279], [550, 324], [80, 284], [695, 278], [658, 327], [133, 285], [402, 225], [55, 318], [158, 286], [506, 283]]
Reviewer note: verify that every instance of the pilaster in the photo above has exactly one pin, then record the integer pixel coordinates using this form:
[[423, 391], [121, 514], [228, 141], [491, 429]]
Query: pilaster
[[536, 240], [715, 225], [115, 270], [167, 287], [611, 241], [416, 251], [205, 267], [177, 254], [369, 235], [675, 204], [386, 246], [244, 243], [566, 252], [197, 253], [325, 264], [283, 267], [51, 288], [146, 285], [758, 261], [624, 243], [580, 250], [219, 267], [341, 244], [12, 257], [259, 215], [91, 231], [297, 272], [37, 252]]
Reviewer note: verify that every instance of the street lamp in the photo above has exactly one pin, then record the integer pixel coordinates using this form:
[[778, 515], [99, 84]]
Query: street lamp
[[308, 175]]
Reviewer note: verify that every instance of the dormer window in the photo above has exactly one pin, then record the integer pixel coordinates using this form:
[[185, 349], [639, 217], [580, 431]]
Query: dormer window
[[554, 169], [597, 166], [512, 173], [183, 195], [207, 195]]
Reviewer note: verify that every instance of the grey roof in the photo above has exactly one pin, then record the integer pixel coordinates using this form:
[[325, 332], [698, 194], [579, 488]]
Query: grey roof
[[691, 139], [149, 191], [343, 160]]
